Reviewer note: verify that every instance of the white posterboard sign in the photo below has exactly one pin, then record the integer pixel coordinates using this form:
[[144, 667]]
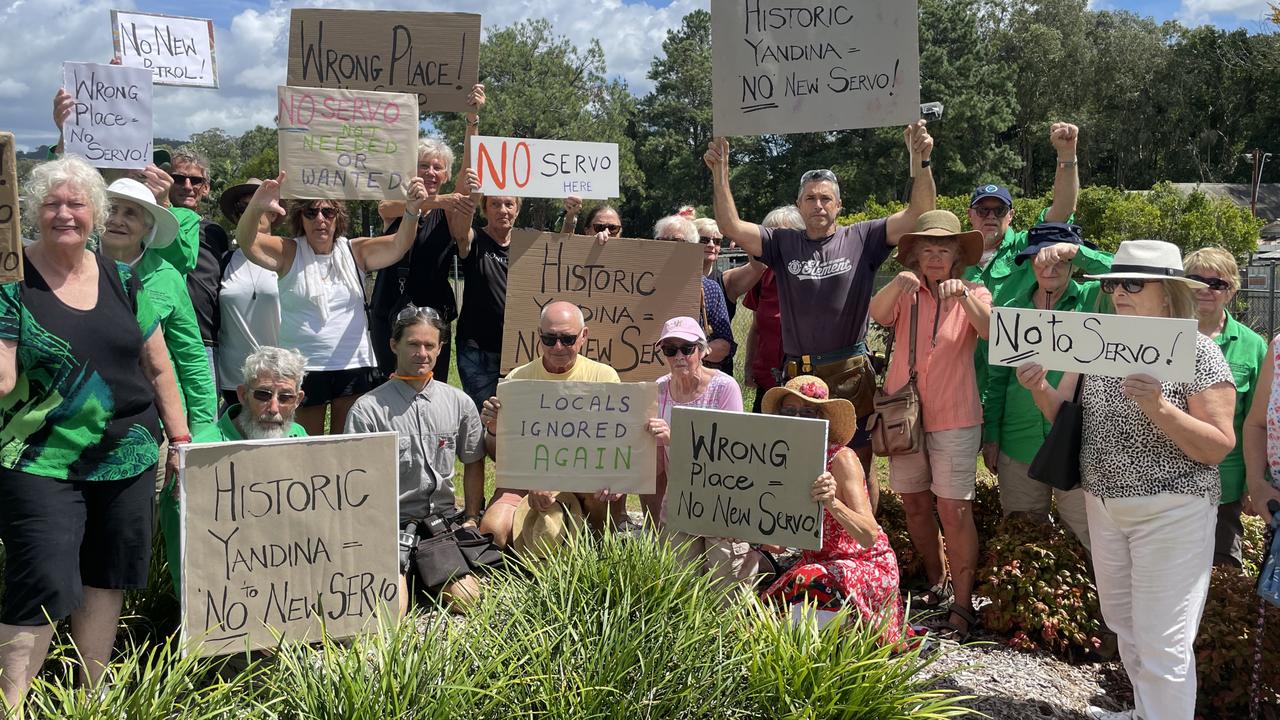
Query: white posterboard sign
[[745, 476], [577, 436], [545, 168], [782, 67], [110, 123], [177, 50], [1094, 343], [286, 539]]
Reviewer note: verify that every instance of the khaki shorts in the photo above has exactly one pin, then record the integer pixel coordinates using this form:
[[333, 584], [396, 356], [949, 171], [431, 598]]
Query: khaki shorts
[[948, 465]]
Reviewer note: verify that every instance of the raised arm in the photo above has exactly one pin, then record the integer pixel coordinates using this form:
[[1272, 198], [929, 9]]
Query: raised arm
[[375, 253], [1066, 179], [572, 206], [1255, 442], [459, 220], [476, 100], [745, 234], [267, 251], [924, 194], [739, 281]]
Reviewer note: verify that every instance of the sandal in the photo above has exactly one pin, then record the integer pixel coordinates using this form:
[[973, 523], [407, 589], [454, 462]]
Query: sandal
[[951, 631], [936, 597]]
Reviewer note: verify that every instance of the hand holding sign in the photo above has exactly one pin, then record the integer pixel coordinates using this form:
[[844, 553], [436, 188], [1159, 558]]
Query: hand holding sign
[[918, 140], [717, 158], [1145, 391], [63, 106], [475, 101], [824, 489]]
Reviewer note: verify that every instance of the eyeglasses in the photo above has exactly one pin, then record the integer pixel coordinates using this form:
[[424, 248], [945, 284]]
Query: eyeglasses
[[1217, 284], [264, 395], [814, 175], [328, 212], [671, 350], [669, 238], [1130, 286], [607, 227], [708, 240], [195, 180], [550, 339], [996, 212], [411, 311], [803, 412]]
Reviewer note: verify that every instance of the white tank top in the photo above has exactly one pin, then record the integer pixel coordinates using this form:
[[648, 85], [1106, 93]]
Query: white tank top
[[322, 308]]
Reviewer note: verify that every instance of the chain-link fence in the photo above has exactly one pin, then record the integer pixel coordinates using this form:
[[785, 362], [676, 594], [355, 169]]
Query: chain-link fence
[[1257, 304]]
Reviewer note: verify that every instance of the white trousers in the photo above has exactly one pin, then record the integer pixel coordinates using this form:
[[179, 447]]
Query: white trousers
[[1152, 557]]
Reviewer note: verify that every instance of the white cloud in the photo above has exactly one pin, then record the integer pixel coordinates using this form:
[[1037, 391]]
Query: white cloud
[[251, 52], [1203, 11]]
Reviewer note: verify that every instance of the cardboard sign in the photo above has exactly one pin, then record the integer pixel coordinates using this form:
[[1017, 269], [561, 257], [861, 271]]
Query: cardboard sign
[[432, 55], [783, 67], [627, 289], [177, 50], [577, 436], [545, 168], [347, 144], [110, 125], [282, 537], [745, 476], [1094, 344], [10, 223]]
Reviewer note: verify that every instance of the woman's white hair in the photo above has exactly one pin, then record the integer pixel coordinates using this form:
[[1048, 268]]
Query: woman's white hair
[[676, 225], [70, 170], [708, 224], [784, 216], [276, 363], [436, 148]]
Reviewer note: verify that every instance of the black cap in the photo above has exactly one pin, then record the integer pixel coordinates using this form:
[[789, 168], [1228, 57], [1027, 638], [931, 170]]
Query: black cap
[[1050, 233]]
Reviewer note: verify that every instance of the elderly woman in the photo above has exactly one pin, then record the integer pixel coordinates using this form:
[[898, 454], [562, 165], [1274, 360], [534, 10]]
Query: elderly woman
[[1013, 428], [682, 347], [1245, 352], [715, 314], [135, 223], [321, 282], [1147, 460], [931, 309], [603, 220], [85, 381], [856, 567]]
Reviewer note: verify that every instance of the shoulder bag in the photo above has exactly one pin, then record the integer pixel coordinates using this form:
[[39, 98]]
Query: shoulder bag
[[895, 425]]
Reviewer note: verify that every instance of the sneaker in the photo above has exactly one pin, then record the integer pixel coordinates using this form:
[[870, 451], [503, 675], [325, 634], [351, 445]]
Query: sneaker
[[1098, 713]]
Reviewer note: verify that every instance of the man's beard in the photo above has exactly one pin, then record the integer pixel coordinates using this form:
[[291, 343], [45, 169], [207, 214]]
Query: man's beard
[[259, 431]]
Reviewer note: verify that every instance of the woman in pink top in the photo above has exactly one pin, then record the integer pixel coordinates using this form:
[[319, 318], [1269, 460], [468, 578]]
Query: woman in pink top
[[951, 315]]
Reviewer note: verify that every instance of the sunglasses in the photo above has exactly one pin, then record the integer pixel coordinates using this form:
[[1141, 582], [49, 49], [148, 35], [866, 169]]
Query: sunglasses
[[412, 311], [671, 350], [814, 175], [1130, 286], [607, 227], [264, 395], [802, 412], [708, 240], [195, 180], [1214, 283], [328, 212], [550, 339], [996, 212]]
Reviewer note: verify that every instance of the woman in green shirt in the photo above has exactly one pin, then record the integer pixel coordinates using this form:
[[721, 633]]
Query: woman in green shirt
[[1245, 352], [135, 226]]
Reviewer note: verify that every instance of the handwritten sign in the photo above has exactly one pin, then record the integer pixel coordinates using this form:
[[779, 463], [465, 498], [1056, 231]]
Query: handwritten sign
[[745, 476], [10, 224], [110, 123], [785, 67], [432, 55], [1095, 344], [347, 144], [626, 289], [177, 50], [287, 536], [545, 168], [577, 436]]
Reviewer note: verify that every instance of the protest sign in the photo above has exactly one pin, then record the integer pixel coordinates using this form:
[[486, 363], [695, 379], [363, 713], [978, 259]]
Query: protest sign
[[745, 476], [784, 67], [577, 436], [10, 225], [1094, 344], [626, 289], [432, 55], [110, 123], [282, 537], [347, 144], [177, 50], [545, 168]]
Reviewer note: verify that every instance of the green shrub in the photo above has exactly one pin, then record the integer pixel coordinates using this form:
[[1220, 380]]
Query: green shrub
[[1252, 544], [1224, 647]]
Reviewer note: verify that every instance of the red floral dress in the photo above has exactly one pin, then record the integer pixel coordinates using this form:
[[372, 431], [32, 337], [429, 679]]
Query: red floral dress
[[844, 574]]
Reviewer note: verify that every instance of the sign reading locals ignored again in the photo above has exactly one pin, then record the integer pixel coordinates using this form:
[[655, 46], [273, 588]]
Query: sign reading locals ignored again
[[545, 168], [1094, 343]]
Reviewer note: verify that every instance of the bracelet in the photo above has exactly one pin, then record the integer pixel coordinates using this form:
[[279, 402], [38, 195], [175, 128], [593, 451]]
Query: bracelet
[[179, 439], [473, 123], [412, 215], [925, 163], [1067, 163]]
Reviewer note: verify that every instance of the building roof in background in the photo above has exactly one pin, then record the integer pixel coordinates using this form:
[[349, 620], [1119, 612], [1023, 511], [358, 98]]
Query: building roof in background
[[1238, 193]]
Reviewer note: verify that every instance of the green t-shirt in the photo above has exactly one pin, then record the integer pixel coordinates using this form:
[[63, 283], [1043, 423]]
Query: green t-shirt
[[225, 429], [1245, 351]]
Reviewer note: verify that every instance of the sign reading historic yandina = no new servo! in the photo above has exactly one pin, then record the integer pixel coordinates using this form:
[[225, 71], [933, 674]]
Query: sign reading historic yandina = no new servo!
[[781, 66], [545, 168], [745, 476], [626, 290], [284, 539], [577, 436], [347, 144]]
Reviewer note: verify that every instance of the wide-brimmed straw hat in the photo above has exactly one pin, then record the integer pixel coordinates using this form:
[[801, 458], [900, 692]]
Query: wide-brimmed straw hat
[[227, 201], [537, 534], [942, 225], [164, 226], [1147, 260], [842, 421]]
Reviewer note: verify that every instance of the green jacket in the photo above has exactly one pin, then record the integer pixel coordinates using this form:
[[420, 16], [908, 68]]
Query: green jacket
[[182, 253], [168, 292], [1245, 351], [225, 429]]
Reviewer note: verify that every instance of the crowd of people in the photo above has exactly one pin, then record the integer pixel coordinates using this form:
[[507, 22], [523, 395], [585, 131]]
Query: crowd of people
[[272, 336]]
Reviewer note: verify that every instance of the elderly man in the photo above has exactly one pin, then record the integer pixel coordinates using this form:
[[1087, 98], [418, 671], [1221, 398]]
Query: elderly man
[[826, 272], [563, 332], [436, 423], [269, 395]]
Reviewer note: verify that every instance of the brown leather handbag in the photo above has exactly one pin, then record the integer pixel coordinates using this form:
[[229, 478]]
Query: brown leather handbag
[[896, 425]]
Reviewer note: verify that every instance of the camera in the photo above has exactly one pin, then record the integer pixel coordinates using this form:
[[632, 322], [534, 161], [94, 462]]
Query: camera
[[931, 111]]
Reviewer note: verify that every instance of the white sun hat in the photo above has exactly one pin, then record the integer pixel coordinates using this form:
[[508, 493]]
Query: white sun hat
[[164, 226], [1147, 260]]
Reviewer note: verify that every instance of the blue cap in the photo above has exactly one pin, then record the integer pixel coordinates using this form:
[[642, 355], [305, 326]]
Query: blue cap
[[995, 191], [1049, 233]]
